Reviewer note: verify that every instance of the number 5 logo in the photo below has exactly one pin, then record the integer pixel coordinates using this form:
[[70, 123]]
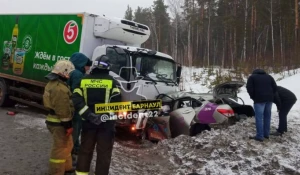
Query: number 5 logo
[[70, 32]]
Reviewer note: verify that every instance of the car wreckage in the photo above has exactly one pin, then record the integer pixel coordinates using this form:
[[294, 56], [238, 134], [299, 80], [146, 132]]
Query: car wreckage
[[186, 113]]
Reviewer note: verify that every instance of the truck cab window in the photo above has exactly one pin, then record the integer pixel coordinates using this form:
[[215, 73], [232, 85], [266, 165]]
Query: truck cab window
[[154, 67], [136, 62], [117, 61]]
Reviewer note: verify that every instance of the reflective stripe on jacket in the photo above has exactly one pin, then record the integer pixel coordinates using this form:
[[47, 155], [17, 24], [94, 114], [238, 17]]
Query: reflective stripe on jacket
[[82, 173]]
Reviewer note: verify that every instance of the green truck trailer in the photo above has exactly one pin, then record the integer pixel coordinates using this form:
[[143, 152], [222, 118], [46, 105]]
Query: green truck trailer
[[32, 43]]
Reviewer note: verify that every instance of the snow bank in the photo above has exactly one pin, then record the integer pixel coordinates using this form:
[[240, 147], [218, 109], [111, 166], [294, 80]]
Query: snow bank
[[225, 151], [229, 151]]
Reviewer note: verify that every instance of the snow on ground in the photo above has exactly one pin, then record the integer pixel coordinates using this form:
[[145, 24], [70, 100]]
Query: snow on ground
[[229, 151], [28, 121], [195, 79]]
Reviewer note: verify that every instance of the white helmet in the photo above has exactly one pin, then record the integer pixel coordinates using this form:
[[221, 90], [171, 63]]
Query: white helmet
[[63, 68]]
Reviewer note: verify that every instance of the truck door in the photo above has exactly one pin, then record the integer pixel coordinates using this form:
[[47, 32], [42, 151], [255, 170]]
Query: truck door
[[124, 74]]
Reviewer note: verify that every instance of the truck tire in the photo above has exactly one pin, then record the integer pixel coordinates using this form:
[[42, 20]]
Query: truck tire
[[4, 99]]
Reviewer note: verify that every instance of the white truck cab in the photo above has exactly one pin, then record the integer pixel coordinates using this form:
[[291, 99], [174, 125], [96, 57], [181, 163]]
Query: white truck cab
[[142, 73]]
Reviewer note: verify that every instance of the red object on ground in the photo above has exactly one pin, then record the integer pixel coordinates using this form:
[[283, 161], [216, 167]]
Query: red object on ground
[[155, 135], [10, 113]]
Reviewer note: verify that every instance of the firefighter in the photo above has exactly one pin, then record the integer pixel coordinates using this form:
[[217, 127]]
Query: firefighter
[[96, 88], [57, 98]]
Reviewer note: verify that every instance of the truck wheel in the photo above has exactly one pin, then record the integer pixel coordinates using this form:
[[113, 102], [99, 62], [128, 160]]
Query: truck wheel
[[4, 99]]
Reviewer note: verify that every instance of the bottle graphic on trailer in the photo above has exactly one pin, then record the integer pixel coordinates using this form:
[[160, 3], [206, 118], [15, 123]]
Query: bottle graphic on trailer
[[7, 54], [14, 40], [19, 59]]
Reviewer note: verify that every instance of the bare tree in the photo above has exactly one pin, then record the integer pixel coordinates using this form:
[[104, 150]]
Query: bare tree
[[175, 9], [245, 30], [272, 28], [208, 34], [266, 44], [189, 46], [153, 26], [224, 47], [229, 33], [281, 42], [296, 20], [253, 30], [234, 36]]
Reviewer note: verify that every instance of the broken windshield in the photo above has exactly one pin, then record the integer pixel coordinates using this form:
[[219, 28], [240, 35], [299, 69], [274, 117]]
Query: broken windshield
[[155, 68]]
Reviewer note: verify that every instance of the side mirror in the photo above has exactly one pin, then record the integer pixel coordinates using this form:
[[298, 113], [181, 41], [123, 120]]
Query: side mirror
[[135, 75], [125, 73], [129, 74], [178, 73]]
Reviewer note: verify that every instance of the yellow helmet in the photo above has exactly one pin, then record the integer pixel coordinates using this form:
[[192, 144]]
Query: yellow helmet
[[63, 68]]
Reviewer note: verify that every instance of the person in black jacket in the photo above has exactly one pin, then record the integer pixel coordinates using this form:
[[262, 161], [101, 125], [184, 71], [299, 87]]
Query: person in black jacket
[[96, 88], [284, 100], [261, 88]]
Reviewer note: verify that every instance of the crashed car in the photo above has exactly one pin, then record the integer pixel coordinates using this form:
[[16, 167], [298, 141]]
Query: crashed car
[[191, 113]]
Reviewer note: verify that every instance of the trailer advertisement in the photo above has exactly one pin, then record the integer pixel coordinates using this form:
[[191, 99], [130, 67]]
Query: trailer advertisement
[[32, 44]]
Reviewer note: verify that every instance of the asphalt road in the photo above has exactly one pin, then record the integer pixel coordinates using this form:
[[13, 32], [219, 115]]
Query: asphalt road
[[24, 143]]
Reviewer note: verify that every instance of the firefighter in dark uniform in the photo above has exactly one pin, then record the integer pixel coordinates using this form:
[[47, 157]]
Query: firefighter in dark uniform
[[96, 88]]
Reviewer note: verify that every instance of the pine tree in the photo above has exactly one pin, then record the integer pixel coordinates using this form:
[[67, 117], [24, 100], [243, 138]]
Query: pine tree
[[144, 16], [128, 13], [227, 33], [162, 25]]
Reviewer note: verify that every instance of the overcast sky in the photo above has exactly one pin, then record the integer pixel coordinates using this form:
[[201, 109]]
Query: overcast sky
[[111, 8]]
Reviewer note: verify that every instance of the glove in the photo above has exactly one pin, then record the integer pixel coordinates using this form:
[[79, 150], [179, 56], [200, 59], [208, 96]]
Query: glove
[[69, 131], [94, 118], [68, 127]]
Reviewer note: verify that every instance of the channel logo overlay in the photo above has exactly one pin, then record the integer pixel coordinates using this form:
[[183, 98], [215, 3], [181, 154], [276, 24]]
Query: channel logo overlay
[[125, 110]]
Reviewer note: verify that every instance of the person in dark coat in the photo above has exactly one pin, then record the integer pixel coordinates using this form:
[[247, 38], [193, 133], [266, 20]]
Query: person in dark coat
[[261, 88], [284, 100], [82, 64]]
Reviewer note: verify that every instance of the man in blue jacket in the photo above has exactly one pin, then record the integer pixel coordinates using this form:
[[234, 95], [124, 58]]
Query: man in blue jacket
[[261, 88], [82, 64]]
